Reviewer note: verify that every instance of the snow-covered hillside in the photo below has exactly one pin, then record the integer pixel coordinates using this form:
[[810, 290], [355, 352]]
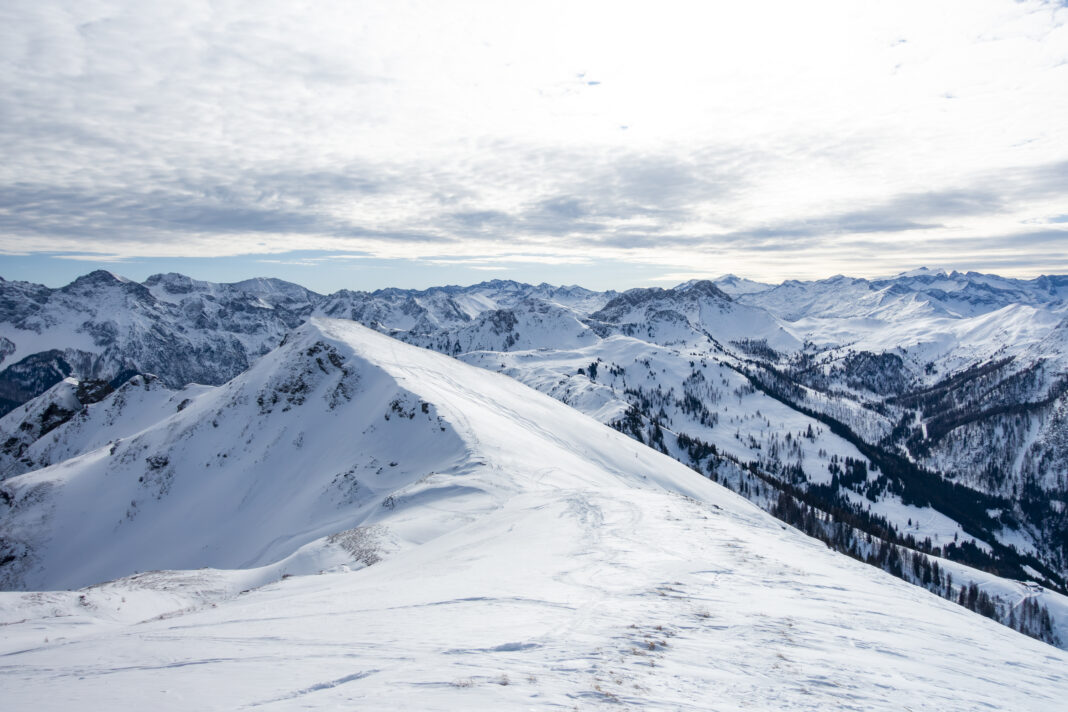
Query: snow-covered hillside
[[482, 546], [927, 410]]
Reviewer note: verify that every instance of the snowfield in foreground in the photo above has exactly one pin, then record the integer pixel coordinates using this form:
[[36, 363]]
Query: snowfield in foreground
[[521, 556]]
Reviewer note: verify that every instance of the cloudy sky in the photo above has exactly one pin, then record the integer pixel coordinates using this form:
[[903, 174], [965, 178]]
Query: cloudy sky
[[610, 144]]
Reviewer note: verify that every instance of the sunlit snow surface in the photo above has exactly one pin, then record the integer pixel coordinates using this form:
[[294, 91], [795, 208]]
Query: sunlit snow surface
[[547, 563]]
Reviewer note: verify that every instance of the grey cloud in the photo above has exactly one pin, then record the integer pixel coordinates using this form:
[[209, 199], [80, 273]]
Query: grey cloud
[[640, 239], [1053, 262], [780, 237], [829, 225], [159, 214], [945, 203], [594, 190], [1044, 181], [668, 187], [554, 217], [311, 187], [102, 213], [901, 213], [566, 208], [561, 215], [1018, 241], [153, 121], [478, 219], [789, 238], [991, 194]]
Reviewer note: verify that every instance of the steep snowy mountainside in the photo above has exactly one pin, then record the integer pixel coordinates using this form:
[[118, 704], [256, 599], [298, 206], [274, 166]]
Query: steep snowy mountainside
[[735, 285], [523, 555], [973, 397], [104, 327], [300, 447], [969, 369], [217, 330], [399, 309], [974, 292], [529, 324], [73, 417], [266, 293], [430, 311], [949, 343], [840, 297], [31, 421], [693, 310]]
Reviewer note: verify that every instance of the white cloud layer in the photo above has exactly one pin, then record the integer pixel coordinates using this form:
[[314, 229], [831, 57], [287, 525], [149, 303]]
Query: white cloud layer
[[773, 140]]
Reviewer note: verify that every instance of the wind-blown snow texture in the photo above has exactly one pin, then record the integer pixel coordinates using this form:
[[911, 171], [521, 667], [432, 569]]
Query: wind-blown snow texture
[[484, 547]]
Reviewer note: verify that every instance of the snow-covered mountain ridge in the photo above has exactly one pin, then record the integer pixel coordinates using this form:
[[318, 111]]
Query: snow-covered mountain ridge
[[493, 549], [336, 428], [886, 405]]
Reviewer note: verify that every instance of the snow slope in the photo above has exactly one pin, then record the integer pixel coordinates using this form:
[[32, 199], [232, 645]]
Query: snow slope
[[524, 557]]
